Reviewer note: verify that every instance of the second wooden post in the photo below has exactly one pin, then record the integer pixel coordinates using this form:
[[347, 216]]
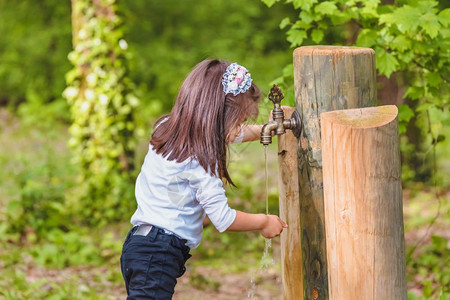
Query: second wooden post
[[363, 204]]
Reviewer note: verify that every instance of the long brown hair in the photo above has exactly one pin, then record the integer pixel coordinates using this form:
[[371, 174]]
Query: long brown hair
[[202, 118]]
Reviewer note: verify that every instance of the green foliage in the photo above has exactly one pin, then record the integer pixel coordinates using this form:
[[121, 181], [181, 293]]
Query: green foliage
[[201, 282], [432, 265], [102, 106], [39, 205], [33, 50], [427, 219], [34, 177], [411, 38], [169, 37], [63, 267]]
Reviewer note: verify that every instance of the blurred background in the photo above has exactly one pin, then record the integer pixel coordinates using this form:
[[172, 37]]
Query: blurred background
[[82, 81]]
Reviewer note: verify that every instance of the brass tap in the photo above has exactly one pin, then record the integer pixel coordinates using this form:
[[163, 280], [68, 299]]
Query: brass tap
[[279, 124]]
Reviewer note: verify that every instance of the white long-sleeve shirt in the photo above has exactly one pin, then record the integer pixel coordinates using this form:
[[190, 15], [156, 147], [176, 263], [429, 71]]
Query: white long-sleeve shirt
[[177, 196]]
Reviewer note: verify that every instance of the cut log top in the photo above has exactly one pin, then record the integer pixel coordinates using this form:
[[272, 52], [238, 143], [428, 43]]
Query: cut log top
[[368, 117], [332, 50]]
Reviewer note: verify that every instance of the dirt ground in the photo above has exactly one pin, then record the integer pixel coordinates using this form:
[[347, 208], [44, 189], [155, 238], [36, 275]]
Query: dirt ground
[[230, 286]]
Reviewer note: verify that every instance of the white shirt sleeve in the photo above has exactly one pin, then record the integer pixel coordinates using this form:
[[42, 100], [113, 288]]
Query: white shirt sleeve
[[210, 194]]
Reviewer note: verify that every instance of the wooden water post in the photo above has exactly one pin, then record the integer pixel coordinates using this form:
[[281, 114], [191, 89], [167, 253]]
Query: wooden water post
[[326, 78], [291, 250], [363, 204]]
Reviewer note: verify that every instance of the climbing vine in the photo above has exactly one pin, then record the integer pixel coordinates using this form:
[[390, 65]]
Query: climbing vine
[[102, 108]]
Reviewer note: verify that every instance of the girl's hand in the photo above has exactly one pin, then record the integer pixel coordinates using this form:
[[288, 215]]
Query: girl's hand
[[272, 227]]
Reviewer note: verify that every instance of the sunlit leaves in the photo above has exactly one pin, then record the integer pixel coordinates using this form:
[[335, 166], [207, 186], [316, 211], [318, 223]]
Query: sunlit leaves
[[306, 17], [367, 38], [325, 8], [370, 9], [285, 22], [433, 79], [401, 43], [386, 62], [303, 4], [406, 18], [410, 37], [296, 36], [430, 24], [405, 113], [444, 17], [317, 35]]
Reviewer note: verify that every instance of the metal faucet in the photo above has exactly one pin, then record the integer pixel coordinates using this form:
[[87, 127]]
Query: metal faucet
[[279, 124]]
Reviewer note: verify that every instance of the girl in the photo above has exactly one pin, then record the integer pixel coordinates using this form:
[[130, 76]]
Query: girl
[[180, 182]]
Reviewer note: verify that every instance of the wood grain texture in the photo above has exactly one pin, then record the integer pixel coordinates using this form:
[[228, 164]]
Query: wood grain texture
[[363, 204], [326, 78], [291, 251]]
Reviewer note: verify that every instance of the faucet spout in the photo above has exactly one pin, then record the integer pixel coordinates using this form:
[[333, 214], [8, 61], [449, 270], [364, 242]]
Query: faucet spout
[[279, 124], [266, 132]]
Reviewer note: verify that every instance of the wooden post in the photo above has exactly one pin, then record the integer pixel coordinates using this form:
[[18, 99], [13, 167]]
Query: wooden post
[[326, 78], [291, 251], [363, 204]]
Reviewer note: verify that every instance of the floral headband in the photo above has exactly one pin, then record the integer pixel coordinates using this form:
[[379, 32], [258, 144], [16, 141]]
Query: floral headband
[[236, 79]]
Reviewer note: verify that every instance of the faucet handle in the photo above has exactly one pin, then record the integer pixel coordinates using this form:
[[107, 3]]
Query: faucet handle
[[276, 95]]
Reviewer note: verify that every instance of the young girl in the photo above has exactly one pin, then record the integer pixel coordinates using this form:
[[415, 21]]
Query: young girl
[[180, 182]]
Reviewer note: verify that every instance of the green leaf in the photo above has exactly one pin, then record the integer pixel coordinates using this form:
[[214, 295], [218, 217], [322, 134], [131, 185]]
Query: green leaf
[[367, 38], [301, 24], [317, 35], [430, 24], [401, 43], [269, 3], [415, 92], [297, 3], [325, 8], [296, 37], [425, 5], [306, 16], [386, 62], [405, 113], [387, 19], [370, 8], [401, 127], [339, 18], [433, 79], [288, 71], [406, 56], [304, 4], [407, 18], [444, 17], [285, 22]]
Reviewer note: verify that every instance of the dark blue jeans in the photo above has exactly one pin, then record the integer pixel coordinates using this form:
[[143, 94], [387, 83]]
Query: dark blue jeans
[[151, 264]]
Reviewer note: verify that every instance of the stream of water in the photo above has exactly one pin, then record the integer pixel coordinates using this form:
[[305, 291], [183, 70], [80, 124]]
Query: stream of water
[[266, 259]]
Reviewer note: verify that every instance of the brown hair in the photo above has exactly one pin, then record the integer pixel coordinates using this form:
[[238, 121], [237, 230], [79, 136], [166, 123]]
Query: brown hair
[[202, 118]]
